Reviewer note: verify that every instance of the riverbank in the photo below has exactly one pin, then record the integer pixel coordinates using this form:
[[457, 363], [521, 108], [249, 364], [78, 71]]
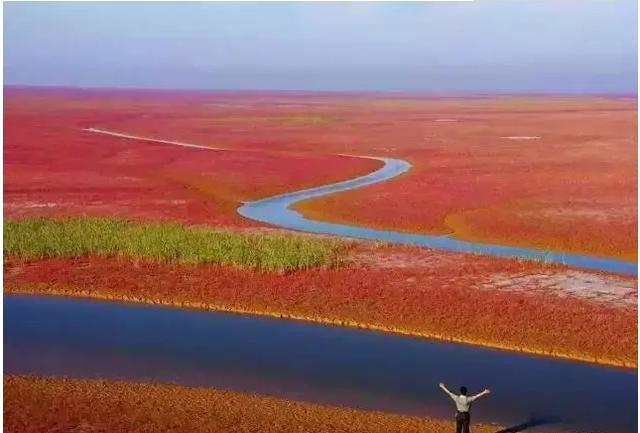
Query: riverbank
[[39, 404], [411, 291]]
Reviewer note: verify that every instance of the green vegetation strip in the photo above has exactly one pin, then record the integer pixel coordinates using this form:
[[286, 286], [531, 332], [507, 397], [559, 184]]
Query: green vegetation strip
[[166, 242]]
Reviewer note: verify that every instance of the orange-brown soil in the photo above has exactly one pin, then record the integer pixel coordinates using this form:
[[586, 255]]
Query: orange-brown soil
[[42, 404]]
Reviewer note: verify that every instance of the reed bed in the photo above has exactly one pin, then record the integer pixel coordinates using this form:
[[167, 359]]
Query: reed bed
[[165, 242]]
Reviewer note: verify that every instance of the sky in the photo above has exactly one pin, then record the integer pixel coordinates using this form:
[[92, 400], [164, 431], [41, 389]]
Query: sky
[[572, 46]]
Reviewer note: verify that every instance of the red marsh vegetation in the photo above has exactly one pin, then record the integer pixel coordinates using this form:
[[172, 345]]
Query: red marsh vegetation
[[53, 167], [552, 172], [557, 173], [524, 306], [46, 404]]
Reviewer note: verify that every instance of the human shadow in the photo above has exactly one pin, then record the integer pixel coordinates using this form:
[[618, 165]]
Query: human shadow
[[532, 422]]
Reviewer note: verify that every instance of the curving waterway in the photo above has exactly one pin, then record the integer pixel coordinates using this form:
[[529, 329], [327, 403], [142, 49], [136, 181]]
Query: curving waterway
[[298, 360], [277, 211]]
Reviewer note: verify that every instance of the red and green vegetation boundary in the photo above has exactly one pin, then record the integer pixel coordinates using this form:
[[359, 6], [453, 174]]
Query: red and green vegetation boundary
[[573, 189], [45, 404], [314, 280]]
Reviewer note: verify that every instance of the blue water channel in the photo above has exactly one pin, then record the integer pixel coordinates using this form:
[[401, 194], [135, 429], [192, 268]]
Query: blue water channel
[[277, 211], [359, 368]]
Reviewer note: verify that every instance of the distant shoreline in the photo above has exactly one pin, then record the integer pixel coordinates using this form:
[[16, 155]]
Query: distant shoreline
[[311, 92]]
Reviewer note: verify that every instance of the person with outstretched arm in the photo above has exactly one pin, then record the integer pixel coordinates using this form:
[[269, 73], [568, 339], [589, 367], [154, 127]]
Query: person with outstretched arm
[[463, 404]]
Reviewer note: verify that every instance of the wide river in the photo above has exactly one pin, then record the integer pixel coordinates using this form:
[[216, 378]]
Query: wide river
[[84, 338]]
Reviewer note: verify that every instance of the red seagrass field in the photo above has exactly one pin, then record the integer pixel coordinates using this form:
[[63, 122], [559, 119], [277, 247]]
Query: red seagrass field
[[302, 217], [54, 167], [556, 173]]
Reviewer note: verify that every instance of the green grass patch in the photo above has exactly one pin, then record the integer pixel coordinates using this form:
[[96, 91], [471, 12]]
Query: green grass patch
[[166, 242]]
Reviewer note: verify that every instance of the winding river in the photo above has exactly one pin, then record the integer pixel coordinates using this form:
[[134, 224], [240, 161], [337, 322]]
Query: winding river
[[277, 211]]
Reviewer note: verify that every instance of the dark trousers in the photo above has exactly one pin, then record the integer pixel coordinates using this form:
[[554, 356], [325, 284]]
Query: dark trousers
[[463, 419]]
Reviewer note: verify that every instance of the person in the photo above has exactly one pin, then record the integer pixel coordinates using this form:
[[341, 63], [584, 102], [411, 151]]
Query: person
[[463, 404]]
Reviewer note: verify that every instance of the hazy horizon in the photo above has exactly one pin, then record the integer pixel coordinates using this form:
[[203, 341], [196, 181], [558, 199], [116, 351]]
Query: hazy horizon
[[484, 47]]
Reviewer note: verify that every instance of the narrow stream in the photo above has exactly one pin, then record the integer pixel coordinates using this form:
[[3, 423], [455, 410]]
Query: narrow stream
[[277, 211], [84, 338]]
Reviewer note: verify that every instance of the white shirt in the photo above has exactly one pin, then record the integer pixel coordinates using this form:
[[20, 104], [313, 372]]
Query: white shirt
[[463, 402]]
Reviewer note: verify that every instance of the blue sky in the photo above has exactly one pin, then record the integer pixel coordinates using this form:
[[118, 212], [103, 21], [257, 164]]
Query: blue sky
[[483, 46]]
